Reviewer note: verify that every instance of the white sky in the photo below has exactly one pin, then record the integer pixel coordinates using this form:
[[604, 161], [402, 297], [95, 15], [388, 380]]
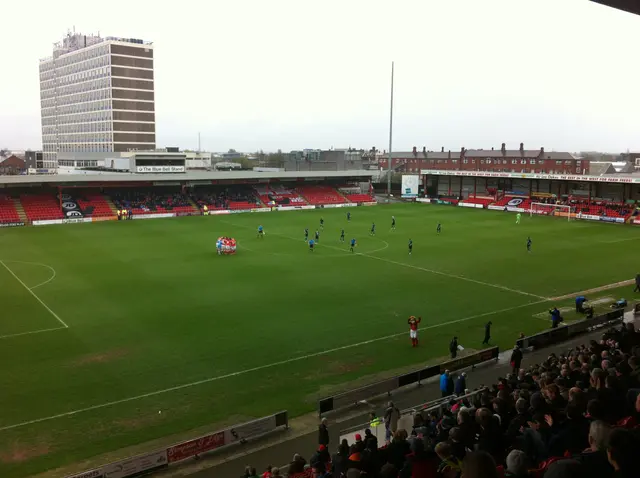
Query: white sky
[[293, 74]]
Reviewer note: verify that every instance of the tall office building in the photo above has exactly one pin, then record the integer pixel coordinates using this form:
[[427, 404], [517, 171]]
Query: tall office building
[[96, 97]]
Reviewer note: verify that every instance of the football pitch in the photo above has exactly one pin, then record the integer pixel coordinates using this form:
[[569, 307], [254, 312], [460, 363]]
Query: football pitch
[[117, 334]]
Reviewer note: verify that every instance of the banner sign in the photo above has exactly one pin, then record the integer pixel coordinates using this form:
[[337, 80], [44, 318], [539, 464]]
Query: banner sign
[[262, 209], [154, 216], [611, 219], [160, 169], [250, 429], [470, 204], [558, 177], [11, 224], [47, 222], [294, 208], [89, 474], [103, 218], [187, 213], [238, 211], [410, 185], [77, 220], [198, 446], [70, 207], [137, 466], [636, 220], [216, 212], [353, 204]]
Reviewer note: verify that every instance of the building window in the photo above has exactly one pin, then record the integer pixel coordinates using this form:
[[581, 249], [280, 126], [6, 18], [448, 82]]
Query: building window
[[465, 161], [558, 162]]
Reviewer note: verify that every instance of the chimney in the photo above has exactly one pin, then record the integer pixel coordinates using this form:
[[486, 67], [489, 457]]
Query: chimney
[[503, 149], [449, 155], [424, 151], [541, 155], [442, 150], [491, 148], [462, 151], [415, 151], [522, 150]]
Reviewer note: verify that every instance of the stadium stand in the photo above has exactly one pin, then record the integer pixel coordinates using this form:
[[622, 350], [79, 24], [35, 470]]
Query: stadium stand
[[93, 204], [8, 212], [359, 198], [321, 195], [576, 414], [504, 201], [279, 195], [156, 201], [41, 206], [601, 208]]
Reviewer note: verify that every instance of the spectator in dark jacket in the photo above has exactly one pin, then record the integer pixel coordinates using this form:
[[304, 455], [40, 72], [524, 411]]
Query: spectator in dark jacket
[[453, 347], [319, 459], [516, 359], [340, 460], [297, 465], [398, 449], [623, 453], [323, 433], [461, 384], [594, 460], [479, 465]]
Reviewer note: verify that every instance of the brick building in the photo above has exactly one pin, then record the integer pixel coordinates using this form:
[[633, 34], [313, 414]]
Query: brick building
[[502, 160]]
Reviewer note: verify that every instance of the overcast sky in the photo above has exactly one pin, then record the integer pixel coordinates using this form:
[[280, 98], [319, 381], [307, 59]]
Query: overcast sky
[[293, 74]]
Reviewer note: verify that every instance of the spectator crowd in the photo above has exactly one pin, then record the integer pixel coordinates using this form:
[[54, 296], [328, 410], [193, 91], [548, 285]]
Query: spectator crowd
[[575, 414]]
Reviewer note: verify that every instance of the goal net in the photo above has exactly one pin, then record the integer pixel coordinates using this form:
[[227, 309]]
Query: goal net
[[543, 209]]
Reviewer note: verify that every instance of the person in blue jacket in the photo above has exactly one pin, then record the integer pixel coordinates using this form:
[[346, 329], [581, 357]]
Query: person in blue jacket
[[444, 383], [580, 300], [555, 317]]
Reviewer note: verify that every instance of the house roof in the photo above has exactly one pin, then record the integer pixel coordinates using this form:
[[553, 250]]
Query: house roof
[[484, 153], [600, 168]]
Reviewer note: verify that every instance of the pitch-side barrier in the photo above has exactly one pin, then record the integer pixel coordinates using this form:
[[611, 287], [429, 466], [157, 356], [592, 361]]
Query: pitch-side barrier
[[190, 449], [567, 332], [406, 418], [351, 397]]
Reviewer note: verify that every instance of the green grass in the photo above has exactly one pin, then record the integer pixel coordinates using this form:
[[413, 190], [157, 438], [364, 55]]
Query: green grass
[[150, 307]]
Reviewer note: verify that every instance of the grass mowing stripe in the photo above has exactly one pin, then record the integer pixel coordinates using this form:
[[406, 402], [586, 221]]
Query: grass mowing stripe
[[35, 296], [260, 367], [432, 271]]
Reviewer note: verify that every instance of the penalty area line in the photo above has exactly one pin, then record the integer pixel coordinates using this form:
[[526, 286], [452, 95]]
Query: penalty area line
[[35, 296], [258, 368]]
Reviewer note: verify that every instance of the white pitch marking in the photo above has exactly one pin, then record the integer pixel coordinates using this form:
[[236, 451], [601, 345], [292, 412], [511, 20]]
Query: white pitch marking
[[35, 296], [258, 368], [432, 271], [31, 333], [37, 264]]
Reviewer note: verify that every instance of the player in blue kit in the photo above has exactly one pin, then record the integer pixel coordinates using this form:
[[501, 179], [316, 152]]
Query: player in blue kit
[[306, 234], [410, 246], [311, 244], [439, 228], [353, 244], [529, 244], [260, 232], [373, 229], [317, 236], [342, 235], [393, 223], [348, 216], [322, 223]]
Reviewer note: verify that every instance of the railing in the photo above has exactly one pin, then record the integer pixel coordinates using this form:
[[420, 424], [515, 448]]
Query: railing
[[564, 333], [351, 397], [166, 457], [406, 418]]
